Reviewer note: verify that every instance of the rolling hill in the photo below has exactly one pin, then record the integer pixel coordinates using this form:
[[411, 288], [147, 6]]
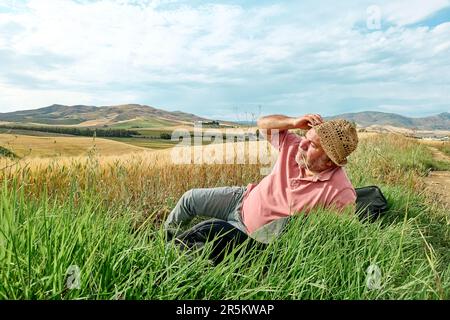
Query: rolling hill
[[125, 116], [370, 118], [390, 121]]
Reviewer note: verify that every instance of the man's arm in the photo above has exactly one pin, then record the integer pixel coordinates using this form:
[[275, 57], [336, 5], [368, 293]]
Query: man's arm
[[281, 122]]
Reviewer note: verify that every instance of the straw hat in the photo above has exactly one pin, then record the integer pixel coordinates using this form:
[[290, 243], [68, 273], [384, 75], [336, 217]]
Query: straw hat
[[338, 138]]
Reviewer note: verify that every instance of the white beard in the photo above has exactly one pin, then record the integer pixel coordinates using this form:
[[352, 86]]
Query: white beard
[[301, 160]]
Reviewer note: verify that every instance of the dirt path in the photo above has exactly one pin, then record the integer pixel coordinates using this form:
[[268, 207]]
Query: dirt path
[[438, 182]]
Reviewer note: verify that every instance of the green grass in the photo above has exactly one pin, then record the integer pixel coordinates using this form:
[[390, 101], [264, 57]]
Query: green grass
[[147, 123], [321, 257], [444, 147], [156, 132], [121, 252], [153, 132]]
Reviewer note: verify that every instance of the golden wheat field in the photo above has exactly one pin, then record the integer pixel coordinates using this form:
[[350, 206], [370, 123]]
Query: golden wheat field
[[33, 146], [148, 177], [38, 153]]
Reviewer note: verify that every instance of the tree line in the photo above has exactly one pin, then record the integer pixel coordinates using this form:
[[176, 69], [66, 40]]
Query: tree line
[[87, 132]]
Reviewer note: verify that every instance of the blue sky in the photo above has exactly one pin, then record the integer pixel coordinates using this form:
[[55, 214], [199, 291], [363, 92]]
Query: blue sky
[[228, 59]]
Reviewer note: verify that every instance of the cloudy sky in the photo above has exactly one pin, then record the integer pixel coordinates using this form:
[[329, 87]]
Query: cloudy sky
[[227, 59]]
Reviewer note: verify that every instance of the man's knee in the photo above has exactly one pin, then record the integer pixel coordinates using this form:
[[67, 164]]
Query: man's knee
[[187, 196], [184, 210], [186, 202]]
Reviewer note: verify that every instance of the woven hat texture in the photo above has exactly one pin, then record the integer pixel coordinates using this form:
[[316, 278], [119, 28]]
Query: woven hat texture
[[338, 139]]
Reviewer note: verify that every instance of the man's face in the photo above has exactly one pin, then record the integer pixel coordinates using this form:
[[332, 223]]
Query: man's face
[[310, 154]]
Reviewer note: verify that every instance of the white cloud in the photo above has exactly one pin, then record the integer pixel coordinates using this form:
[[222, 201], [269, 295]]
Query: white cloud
[[105, 50], [37, 98], [405, 12], [31, 99]]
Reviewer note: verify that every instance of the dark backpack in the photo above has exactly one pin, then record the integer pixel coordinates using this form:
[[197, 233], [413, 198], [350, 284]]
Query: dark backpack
[[370, 203]]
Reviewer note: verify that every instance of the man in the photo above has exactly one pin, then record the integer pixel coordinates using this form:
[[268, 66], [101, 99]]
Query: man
[[308, 173]]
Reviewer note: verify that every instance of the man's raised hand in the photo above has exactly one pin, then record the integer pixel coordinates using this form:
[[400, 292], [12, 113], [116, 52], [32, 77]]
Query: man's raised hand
[[307, 121]]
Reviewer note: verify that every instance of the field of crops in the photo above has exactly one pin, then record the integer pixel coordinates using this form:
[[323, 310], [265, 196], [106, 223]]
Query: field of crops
[[101, 216], [59, 145]]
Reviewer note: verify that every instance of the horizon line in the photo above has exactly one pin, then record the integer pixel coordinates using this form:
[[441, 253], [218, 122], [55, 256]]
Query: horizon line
[[218, 118]]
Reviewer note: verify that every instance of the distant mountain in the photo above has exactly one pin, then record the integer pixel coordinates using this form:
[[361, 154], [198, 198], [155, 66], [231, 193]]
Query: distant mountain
[[136, 115], [370, 118], [378, 119], [129, 115]]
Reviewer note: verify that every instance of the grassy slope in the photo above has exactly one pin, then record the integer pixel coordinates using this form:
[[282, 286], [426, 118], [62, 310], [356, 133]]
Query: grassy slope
[[155, 132], [144, 123], [443, 146], [102, 220]]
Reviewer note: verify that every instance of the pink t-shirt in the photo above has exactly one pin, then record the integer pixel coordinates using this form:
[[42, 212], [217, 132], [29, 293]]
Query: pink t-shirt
[[287, 189]]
